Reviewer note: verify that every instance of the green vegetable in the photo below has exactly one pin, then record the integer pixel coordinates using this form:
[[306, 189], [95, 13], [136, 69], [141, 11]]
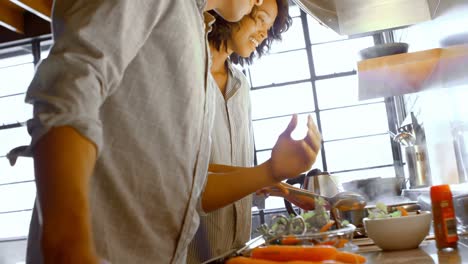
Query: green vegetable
[[380, 212]]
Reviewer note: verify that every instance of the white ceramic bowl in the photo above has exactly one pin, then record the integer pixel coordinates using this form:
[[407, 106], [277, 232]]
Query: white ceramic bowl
[[398, 233]]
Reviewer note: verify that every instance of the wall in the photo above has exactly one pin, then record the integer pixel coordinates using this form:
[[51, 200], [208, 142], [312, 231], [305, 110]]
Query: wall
[[440, 110]]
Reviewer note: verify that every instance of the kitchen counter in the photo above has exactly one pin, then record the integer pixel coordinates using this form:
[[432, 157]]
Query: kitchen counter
[[427, 253]]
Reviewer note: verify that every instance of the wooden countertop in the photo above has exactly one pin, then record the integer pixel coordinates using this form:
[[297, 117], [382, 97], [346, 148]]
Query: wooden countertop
[[427, 253]]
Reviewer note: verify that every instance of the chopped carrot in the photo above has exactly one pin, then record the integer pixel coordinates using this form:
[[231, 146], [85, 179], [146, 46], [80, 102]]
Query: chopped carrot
[[348, 257], [341, 242], [402, 210], [290, 240], [245, 260], [328, 243], [327, 226], [288, 253]]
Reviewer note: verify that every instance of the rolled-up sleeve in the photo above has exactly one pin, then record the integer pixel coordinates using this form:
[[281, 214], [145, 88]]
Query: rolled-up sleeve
[[94, 42]]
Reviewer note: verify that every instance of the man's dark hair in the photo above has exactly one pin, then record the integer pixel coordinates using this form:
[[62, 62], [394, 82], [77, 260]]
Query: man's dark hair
[[222, 30]]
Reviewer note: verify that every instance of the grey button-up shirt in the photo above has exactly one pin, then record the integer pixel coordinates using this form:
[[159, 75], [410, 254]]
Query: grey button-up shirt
[[232, 144], [131, 77]]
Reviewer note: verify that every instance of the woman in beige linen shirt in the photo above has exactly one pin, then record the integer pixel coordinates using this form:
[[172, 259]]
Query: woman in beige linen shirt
[[232, 136]]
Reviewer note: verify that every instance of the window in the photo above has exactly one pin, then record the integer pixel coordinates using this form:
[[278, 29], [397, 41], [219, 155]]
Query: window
[[17, 184], [316, 74]]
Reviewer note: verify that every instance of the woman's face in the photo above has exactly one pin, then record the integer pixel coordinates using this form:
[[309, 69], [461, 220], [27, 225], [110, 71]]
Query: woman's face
[[253, 29], [234, 10]]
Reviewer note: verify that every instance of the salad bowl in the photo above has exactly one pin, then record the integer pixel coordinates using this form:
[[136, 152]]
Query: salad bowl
[[399, 233]]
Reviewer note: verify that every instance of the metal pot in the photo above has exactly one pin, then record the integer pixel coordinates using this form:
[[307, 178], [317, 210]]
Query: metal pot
[[320, 183], [314, 181]]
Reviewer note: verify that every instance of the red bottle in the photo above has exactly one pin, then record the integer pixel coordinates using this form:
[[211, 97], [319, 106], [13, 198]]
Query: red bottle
[[443, 213]]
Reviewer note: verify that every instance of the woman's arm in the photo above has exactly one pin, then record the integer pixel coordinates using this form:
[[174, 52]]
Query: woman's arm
[[227, 184]]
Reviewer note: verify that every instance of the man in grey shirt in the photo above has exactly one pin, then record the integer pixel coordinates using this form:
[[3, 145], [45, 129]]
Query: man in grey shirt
[[121, 132]]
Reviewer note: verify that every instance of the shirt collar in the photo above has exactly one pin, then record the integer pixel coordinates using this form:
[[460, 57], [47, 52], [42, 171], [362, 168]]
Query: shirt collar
[[201, 5], [209, 19]]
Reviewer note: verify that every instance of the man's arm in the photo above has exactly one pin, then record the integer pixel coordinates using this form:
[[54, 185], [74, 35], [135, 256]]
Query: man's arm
[[86, 63], [63, 163], [227, 184]]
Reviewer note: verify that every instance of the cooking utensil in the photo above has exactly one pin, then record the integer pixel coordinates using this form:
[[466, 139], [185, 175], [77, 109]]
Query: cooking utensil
[[406, 139], [306, 199], [418, 166], [385, 49]]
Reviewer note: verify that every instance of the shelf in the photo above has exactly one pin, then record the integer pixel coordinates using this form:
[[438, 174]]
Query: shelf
[[413, 72]]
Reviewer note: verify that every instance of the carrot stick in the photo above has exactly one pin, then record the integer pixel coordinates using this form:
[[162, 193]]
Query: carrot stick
[[341, 242], [288, 253], [290, 240], [402, 210], [327, 226], [348, 257], [245, 260]]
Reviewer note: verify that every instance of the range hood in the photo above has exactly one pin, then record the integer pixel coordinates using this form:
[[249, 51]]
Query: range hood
[[352, 17]]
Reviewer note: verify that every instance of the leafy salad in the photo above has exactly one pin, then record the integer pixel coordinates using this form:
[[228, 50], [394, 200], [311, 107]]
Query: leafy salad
[[380, 212]]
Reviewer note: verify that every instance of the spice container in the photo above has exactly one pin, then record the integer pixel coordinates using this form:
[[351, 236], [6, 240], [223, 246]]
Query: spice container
[[445, 224]]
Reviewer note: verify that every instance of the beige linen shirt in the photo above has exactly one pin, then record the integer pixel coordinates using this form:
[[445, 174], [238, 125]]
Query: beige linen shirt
[[130, 75], [232, 144]]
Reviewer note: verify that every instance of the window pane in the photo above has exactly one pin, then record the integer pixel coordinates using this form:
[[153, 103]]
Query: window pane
[[291, 39], [341, 56], [22, 171], [341, 91], [354, 121], [15, 56], [263, 156], [273, 202], [276, 101], [45, 48], [15, 79], [12, 138], [279, 68], [320, 33], [20, 196], [387, 172], [13, 109], [294, 10], [15, 225], [266, 132], [358, 153]]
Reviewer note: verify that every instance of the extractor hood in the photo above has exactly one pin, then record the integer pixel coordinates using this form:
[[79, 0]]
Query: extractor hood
[[351, 17]]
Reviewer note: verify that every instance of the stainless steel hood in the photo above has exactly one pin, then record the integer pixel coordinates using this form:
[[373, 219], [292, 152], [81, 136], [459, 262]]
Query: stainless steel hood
[[351, 17]]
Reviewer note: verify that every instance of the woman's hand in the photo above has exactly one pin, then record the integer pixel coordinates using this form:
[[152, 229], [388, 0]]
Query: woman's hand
[[275, 190], [290, 157]]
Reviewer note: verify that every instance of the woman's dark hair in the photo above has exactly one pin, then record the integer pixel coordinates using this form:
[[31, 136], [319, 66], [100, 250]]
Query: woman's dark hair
[[222, 29]]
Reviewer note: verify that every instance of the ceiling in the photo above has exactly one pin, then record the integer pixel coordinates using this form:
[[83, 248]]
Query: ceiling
[[24, 19]]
